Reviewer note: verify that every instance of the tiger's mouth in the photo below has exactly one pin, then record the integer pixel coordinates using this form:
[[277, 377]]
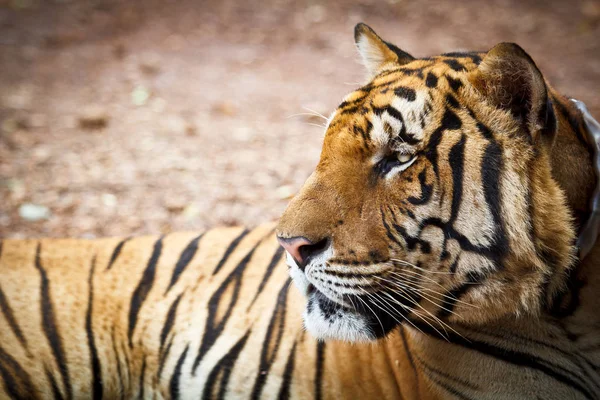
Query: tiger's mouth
[[350, 317], [339, 307], [361, 320]]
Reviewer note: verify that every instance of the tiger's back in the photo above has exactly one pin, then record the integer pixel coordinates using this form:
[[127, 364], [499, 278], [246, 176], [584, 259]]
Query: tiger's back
[[111, 316], [185, 315]]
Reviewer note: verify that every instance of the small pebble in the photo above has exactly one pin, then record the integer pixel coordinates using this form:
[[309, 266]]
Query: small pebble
[[93, 117], [140, 95], [34, 212]]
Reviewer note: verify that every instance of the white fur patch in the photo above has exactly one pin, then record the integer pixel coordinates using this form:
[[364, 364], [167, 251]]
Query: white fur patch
[[348, 326], [345, 325], [413, 112]]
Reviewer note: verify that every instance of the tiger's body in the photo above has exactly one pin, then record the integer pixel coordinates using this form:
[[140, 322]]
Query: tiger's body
[[441, 220], [190, 316], [184, 316]]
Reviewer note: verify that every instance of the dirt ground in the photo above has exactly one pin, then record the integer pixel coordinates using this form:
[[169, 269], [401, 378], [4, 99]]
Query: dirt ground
[[132, 117]]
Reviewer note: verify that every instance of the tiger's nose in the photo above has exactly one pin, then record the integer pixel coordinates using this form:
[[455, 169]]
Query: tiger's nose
[[302, 249]]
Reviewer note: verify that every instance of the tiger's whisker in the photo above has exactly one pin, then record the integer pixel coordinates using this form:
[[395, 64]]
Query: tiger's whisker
[[316, 113]]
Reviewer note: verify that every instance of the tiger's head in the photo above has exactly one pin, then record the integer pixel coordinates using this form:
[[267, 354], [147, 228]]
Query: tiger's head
[[433, 199]]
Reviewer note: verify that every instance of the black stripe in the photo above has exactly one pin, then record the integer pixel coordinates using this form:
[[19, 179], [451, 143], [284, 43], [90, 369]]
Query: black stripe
[[163, 358], [412, 72], [450, 120], [426, 190], [406, 93], [169, 322], [402, 135], [451, 101], [55, 390], [353, 110], [412, 242], [352, 103], [230, 250], [409, 356], [288, 374], [359, 131], [463, 241], [143, 288], [456, 158], [382, 323], [49, 325], [142, 379], [453, 391], [274, 261], [403, 57], [17, 381], [575, 357], [454, 265], [491, 168], [368, 129], [213, 328], [272, 341], [473, 55], [548, 118], [508, 355], [98, 390], [379, 77], [388, 230], [443, 374], [10, 318], [485, 131], [319, 370], [222, 371], [116, 253], [431, 80], [455, 65], [455, 84], [453, 296], [431, 152], [184, 259], [174, 388]]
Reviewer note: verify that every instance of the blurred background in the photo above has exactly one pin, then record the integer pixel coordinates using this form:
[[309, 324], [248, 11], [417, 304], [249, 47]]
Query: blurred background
[[133, 117]]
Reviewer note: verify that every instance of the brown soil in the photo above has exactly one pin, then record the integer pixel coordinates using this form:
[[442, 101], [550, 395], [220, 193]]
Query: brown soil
[[130, 117]]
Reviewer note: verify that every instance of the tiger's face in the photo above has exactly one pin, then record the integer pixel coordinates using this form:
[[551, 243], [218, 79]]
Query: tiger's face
[[433, 199]]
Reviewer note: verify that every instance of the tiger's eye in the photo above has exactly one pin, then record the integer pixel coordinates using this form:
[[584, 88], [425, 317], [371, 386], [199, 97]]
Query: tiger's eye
[[404, 158]]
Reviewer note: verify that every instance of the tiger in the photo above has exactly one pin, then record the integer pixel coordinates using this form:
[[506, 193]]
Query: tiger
[[443, 248]]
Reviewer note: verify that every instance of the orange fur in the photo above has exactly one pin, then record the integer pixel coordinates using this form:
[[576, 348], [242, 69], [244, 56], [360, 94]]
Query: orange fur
[[462, 257]]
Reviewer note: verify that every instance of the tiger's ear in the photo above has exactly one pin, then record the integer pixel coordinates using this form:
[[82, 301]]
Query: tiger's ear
[[509, 78], [375, 52]]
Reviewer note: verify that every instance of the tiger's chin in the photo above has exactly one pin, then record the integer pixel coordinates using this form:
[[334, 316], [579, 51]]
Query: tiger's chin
[[328, 320]]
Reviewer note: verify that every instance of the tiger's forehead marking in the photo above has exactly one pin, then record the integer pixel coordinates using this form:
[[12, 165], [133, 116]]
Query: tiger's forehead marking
[[401, 122], [394, 110]]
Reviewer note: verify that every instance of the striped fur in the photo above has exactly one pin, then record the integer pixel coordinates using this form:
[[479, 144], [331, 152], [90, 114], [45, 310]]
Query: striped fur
[[446, 204], [483, 221], [184, 316]]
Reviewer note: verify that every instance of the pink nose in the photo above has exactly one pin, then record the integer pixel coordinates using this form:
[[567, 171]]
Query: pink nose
[[293, 245]]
